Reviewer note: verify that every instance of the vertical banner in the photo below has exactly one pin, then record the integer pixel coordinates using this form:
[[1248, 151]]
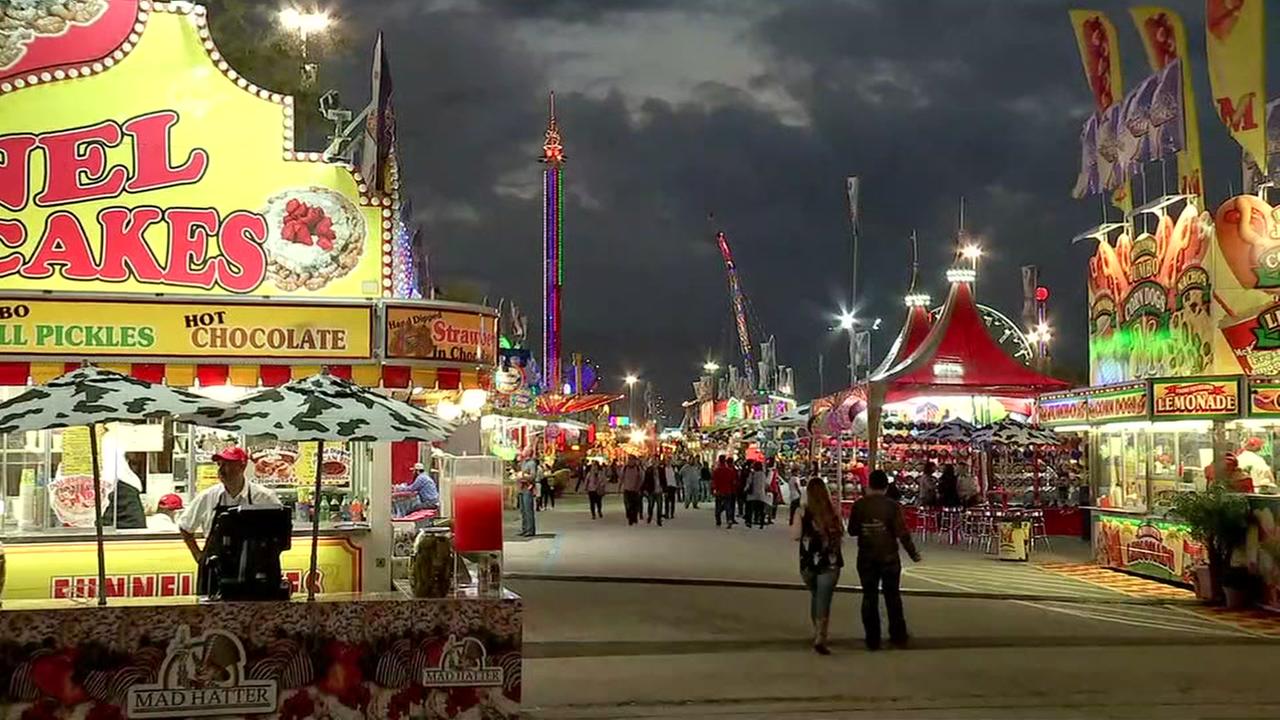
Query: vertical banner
[[851, 189], [1100, 56], [1165, 39], [380, 126], [1030, 281], [1235, 44]]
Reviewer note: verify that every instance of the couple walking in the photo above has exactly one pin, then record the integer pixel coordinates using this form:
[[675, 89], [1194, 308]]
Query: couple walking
[[877, 521]]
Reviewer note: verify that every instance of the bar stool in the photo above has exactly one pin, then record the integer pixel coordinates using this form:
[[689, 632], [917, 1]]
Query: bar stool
[[950, 524], [1039, 532]]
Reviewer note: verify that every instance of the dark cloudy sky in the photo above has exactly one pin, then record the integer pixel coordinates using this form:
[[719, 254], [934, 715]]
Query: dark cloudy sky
[[755, 110]]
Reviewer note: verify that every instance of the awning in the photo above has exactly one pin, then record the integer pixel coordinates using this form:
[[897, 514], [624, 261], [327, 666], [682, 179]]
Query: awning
[[190, 375]]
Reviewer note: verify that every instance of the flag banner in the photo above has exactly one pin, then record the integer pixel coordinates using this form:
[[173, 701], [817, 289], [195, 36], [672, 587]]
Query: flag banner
[[1253, 175], [1165, 38], [1152, 120], [380, 127], [1100, 57], [1030, 281], [1087, 182], [1235, 45], [1111, 168]]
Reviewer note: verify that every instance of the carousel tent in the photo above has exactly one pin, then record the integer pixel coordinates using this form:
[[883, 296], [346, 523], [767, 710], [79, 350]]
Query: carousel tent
[[959, 357], [912, 336]]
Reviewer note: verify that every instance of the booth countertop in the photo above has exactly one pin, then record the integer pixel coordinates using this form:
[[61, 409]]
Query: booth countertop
[[19, 537], [10, 606], [1116, 511]]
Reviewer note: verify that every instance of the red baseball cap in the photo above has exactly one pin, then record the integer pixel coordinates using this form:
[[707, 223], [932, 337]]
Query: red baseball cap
[[234, 453], [170, 502]]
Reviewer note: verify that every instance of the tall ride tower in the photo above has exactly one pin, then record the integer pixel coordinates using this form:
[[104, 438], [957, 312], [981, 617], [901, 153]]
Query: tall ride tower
[[552, 244]]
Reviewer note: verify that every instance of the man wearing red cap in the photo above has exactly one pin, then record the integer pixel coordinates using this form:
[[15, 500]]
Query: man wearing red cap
[[1253, 464], [232, 490]]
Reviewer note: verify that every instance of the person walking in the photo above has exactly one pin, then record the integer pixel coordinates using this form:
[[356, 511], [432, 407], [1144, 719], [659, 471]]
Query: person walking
[[877, 522], [949, 488], [704, 481], [743, 488], [821, 558], [691, 478], [724, 483], [528, 481], [757, 490], [597, 484], [546, 492], [632, 482], [793, 488], [929, 485], [669, 481], [652, 492]]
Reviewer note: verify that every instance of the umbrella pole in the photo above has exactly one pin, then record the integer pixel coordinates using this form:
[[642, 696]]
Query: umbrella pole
[[97, 515], [315, 524]]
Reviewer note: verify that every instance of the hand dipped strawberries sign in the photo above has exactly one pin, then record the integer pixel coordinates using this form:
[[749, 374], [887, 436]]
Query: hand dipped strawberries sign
[[152, 166]]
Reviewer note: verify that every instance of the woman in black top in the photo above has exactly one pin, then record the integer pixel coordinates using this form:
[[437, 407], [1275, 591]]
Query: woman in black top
[[819, 533]]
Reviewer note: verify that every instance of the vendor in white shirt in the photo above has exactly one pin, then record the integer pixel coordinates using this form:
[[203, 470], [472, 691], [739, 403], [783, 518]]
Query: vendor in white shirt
[[232, 490], [1255, 467]]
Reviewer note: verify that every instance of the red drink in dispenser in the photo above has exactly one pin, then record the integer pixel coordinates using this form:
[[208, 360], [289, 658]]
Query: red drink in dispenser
[[477, 515]]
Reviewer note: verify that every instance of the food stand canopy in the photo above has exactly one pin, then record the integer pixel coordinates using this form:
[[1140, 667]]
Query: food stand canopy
[[569, 404], [959, 357]]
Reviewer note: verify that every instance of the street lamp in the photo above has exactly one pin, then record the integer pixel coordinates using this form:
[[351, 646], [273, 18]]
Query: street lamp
[[305, 24], [848, 322], [631, 381], [711, 366], [1041, 334]]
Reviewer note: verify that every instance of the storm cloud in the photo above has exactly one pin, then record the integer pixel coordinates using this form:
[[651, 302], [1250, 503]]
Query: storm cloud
[[752, 112]]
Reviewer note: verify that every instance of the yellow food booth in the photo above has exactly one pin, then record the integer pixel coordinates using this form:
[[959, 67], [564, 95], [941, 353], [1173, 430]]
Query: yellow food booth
[[157, 220]]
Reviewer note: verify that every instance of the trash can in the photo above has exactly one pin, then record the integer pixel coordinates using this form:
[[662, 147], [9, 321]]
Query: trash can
[[1014, 539]]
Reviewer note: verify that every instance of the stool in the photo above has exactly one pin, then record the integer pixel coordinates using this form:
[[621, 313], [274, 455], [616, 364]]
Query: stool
[[1039, 532]]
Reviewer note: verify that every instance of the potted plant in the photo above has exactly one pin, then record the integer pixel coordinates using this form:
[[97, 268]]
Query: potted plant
[[1219, 520]]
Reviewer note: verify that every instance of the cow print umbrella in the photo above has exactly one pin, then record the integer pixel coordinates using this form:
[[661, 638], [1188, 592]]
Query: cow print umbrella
[[957, 431], [323, 407], [1012, 432], [90, 396]]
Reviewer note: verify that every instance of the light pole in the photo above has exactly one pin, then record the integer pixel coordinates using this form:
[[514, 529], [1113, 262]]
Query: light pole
[[305, 24], [849, 322], [631, 381], [1040, 336]]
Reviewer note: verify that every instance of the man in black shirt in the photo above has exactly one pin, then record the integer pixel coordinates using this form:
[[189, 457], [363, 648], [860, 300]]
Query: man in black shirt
[[877, 522]]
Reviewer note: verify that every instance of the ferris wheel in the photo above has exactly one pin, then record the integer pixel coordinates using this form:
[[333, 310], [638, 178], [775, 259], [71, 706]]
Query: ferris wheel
[[1007, 335]]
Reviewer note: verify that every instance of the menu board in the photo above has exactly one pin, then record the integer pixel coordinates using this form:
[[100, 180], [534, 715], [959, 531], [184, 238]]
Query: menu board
[[287, 464]]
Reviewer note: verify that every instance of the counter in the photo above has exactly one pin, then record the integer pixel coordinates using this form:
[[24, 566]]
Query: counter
[[349, 655], [1144, 544], [150, 565]]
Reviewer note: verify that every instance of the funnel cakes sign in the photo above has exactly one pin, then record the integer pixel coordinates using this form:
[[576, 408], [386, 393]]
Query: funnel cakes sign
[[152, 166]]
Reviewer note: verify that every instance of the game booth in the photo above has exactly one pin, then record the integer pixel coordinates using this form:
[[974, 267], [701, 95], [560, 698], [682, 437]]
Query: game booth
[[1184, 349], [158, 222], [945, 374]]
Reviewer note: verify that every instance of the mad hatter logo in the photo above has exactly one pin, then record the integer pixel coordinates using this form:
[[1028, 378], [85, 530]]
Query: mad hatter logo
[[463, 663], [201, 676]]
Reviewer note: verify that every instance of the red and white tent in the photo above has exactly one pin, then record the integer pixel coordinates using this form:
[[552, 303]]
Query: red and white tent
[[957, 357]]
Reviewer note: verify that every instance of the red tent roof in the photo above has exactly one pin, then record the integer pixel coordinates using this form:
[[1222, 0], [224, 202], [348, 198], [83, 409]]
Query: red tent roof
[[959, 357], [912, 335]]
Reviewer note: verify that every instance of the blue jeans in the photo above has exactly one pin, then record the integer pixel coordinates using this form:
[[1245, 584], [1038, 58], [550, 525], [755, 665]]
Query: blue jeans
[[822, 586], [527, 525]]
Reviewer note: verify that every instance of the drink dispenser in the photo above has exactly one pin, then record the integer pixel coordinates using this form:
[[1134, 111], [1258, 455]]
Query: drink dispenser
[[474, 485]]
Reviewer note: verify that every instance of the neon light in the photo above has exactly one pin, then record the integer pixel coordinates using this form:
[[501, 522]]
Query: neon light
[[553, 246]]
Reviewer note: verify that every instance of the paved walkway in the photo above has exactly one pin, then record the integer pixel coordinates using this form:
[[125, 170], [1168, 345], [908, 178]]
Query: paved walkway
[[691, 548]]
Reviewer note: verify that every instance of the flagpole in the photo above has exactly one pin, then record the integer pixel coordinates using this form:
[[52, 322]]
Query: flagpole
[[97, 515], [315, 524]]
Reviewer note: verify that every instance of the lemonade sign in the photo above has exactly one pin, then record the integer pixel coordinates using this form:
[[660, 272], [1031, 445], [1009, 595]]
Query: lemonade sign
[[157, 168]]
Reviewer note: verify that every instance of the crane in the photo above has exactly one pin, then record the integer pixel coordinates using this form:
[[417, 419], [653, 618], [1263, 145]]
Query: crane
[[738, 303]]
